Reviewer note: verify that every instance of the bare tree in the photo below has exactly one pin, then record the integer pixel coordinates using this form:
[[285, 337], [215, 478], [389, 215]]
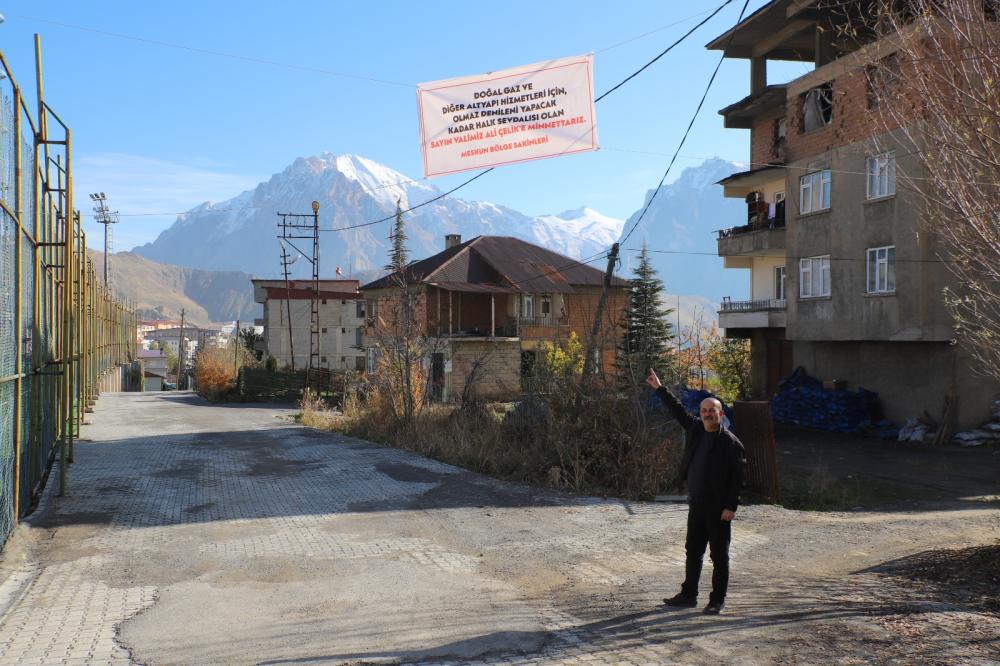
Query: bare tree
[[938, 92]]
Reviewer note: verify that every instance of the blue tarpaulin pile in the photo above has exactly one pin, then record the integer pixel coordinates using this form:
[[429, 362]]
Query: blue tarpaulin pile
[[691, 399], [802, 400]]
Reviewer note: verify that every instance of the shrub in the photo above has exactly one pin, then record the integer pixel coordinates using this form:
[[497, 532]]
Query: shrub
[[214, 374]]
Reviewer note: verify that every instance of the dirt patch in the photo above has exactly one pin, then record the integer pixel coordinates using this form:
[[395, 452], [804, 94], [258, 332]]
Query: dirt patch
[[409, 473], [967, 577], [267, 464], [199, 508], [189, 470]]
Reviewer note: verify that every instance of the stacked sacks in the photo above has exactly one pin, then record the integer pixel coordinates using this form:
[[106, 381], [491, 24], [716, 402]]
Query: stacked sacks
[[802, 400], [988, 433]]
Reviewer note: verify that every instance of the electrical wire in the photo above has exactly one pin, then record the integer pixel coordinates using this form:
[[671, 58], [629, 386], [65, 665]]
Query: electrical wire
[[667, 50], [694, 117], [792, 257]]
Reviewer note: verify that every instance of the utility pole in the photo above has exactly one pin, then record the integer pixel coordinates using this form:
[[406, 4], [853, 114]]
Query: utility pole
[[180, 353], [295, 226], [236, 349], [106, 217], [588, 362]]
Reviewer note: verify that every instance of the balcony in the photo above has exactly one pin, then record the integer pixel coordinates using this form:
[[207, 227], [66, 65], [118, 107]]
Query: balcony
[[764, 233], [766, 313]]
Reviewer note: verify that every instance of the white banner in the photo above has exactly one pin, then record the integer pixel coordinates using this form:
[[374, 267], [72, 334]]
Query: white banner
[[524, 113]]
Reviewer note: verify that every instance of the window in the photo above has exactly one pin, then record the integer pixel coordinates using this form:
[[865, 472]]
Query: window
[[883, 80], [817, 107], [882, 270], [779, 283], [881, 176], [546, 306], [370, 359], [814, 192], [324, 301], [779, 197], [779, 129], [357, 337], [359, 363], [322, 359], [324, 329], [360, 309], [814, 276], [528, 311]]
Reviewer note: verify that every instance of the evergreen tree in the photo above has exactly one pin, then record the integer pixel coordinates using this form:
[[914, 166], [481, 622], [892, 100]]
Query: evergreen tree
[[397, 257], [647, 331]]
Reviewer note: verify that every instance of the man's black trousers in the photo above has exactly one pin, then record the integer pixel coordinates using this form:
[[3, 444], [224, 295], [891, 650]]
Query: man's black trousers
[[705, 527]]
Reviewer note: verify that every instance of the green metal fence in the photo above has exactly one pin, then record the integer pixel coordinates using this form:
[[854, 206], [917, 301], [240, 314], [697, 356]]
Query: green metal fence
[[61, 331]]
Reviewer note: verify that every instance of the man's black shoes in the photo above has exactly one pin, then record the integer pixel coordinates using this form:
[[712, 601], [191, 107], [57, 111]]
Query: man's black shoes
[[681, 600], [714, 608]]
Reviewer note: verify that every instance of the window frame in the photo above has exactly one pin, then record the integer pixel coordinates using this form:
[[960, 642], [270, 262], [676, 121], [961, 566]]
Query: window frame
[[812, 266], [880, 271], [780, 275], [815, 181], [878, 168]]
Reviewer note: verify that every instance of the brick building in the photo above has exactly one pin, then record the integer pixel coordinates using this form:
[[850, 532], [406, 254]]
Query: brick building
[[341, 321], [487, 304], [843, 282]]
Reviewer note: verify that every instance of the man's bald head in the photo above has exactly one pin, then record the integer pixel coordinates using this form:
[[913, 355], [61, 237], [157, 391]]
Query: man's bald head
[[711, 413]]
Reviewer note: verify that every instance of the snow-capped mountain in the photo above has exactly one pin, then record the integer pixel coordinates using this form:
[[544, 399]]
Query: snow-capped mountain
[[239, 234], [680, 227]]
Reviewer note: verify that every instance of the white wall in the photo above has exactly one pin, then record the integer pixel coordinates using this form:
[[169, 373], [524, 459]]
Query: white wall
[[762, 277]]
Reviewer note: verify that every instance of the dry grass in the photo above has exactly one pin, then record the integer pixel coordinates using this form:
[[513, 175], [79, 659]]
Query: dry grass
[[606, 447], [315, 412]]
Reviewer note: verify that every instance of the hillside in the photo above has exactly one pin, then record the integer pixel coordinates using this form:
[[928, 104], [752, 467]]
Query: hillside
[[162, 290]]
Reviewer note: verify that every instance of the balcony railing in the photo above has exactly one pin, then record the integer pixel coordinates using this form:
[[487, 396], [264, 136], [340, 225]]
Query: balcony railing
[[758, 223], [752, 306], [542, 320]]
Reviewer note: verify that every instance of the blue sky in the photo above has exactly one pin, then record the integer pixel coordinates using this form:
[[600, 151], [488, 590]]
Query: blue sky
[[163, 129]]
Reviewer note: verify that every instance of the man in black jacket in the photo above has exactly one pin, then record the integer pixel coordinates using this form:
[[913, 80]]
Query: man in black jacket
[[712, 466]]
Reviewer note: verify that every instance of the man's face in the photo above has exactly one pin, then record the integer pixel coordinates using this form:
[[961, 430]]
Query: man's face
[[711, 413]]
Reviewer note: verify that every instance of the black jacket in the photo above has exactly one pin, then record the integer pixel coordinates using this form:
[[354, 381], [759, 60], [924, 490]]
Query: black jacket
[[727, 460]]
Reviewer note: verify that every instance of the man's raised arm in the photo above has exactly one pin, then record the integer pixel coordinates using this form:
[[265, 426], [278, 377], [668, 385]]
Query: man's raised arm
[[673, 404]]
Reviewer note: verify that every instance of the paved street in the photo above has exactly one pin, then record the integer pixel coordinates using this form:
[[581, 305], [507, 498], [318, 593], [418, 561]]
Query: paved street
[[226, 534]]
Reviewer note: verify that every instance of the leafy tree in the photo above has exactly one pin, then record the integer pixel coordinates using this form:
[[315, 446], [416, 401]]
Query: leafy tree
[[729, 359], [647, 331], [249, 338]]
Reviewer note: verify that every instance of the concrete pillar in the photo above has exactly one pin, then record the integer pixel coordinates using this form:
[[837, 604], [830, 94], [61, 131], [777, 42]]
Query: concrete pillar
[[758, 75]]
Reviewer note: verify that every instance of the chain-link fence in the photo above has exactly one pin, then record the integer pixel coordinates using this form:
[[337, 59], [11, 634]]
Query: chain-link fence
[[61, 330]]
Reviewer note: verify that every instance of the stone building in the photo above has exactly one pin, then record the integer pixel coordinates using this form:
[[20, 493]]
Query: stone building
[[486, 305], [842, 281]]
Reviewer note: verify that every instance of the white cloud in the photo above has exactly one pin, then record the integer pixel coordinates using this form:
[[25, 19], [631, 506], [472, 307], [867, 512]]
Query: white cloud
[[149, 192]]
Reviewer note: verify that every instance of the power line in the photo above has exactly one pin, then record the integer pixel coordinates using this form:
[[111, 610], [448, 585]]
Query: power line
[[667, 50], [598, 99], [794, 257], [694, 117], [212, 52]]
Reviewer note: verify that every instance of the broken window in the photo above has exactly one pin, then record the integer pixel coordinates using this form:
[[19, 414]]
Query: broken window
[[817, 107], [883, 80]]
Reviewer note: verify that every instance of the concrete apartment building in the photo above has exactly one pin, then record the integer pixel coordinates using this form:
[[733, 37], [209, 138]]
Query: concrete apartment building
[[843, 281], [489, 303], [341, 317], [154, 369]]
